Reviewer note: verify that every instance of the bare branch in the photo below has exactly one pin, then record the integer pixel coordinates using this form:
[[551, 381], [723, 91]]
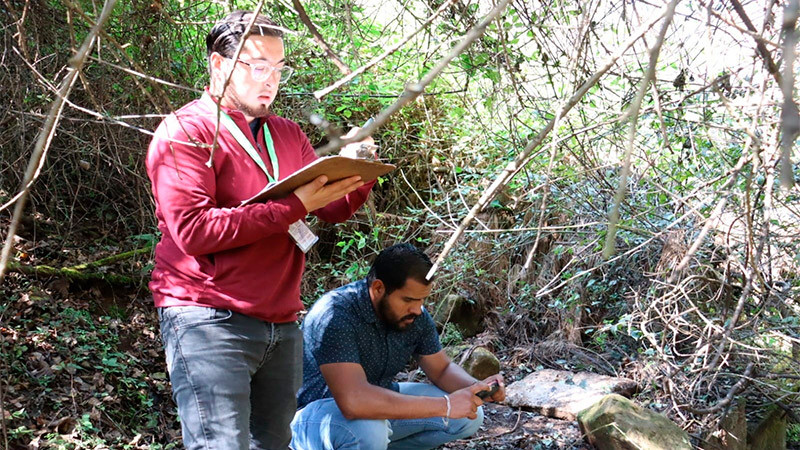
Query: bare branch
[[738, 387], [728, 21], [318, 37], [633, 113], [22, 36], [414, 90], [790, 117], [48, 130], [760, 47], [323, 92], [146, 77]]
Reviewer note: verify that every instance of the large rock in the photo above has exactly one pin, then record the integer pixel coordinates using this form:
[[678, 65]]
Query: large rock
[[731, 434], [563, 394], [479, 362], [770, 433], [460, 311], [616, 423]]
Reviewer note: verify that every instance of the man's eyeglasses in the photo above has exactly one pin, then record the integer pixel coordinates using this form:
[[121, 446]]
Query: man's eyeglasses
[[262, 71]]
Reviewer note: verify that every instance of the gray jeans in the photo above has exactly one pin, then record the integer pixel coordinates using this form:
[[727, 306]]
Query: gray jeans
[[234, 378]]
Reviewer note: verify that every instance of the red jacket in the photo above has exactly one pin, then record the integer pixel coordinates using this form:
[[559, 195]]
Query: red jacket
[[214, 252]]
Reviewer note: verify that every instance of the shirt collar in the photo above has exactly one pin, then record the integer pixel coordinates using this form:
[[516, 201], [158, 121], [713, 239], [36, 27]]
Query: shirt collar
[[364, 306]]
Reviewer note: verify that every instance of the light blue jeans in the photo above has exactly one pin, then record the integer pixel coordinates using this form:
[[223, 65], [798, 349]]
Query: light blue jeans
[[234, 378], [320, 425]]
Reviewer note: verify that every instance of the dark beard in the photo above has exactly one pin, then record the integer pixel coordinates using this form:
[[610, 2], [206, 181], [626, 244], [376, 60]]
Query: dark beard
[[384, 314]]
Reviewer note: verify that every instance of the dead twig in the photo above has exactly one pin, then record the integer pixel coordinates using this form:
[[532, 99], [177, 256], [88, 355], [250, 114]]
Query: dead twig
[[414, 90], [318, 37], [350, 75]]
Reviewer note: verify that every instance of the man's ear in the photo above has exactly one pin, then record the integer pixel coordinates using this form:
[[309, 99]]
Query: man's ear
[[377, 289], [216, 63]]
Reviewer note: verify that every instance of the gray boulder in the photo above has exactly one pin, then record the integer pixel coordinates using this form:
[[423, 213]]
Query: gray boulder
[[563, 394]]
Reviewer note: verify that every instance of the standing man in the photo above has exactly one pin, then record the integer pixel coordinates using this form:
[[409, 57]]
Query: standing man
[[357, 338], [227, 277]]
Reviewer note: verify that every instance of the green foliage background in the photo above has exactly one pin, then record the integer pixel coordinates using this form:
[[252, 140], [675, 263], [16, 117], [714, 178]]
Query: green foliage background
[[531, 263]]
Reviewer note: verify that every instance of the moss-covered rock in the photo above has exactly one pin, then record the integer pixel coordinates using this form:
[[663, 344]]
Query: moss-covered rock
[[482, 363], [460, 311], [770, 433], [616, 423]]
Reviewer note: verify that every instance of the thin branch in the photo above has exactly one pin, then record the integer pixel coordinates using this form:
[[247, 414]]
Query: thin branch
[[318, 37], [323, 92], [414, 90], [790, 117], [432, 212], [526, 229], [738, 387], [760, 47], [633, 113], [147, 77], [730, 23]]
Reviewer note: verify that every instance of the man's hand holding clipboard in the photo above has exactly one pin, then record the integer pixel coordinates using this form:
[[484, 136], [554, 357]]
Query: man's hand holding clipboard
[[332, 176]]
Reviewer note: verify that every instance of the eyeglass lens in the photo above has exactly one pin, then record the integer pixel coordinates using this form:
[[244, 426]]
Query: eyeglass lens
[[262, 71]]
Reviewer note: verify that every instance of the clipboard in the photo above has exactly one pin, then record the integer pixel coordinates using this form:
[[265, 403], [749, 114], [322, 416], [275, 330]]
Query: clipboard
[[335, 167]]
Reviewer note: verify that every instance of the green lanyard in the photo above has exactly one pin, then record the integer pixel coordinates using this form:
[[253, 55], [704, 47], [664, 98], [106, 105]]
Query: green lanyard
[[237, 134]]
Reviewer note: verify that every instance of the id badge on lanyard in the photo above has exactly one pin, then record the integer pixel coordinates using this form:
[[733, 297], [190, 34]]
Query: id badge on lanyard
[[299, 231]]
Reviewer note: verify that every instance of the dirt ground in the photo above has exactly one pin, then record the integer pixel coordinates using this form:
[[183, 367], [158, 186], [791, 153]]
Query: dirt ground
[[507, 428], [83, 371]]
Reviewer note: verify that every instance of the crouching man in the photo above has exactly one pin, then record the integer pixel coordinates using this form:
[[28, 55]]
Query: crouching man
[[356, 339]]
